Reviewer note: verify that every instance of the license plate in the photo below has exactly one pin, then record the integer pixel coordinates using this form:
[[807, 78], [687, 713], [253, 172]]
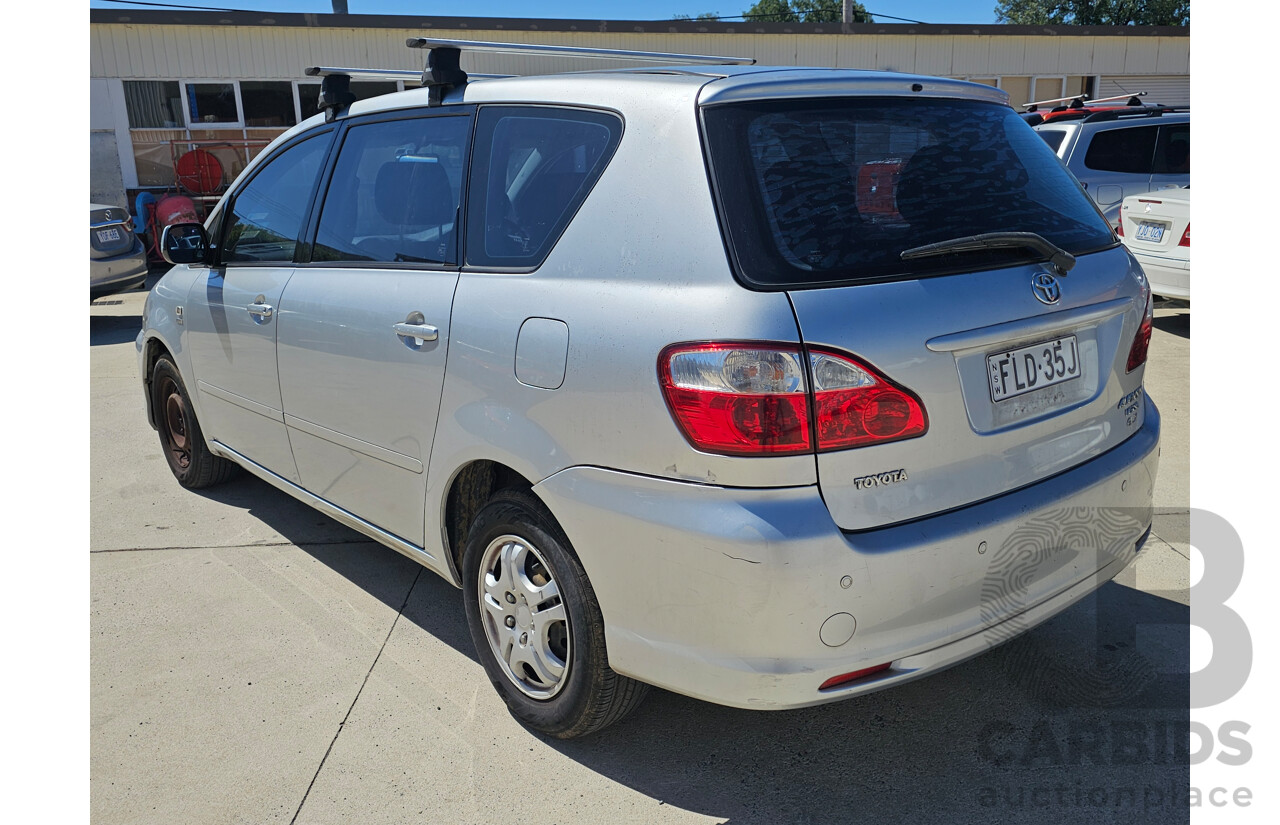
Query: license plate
[[108, 235], [1022, 370], [1150, 232]]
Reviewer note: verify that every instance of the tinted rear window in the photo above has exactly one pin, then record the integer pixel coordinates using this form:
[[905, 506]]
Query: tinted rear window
[[813, 192]]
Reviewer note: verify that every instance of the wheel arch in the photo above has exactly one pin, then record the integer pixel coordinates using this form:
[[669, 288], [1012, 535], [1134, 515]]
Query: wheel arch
[[471, 487]]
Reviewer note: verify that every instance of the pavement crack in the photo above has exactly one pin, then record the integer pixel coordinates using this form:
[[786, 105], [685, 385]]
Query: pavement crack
[[367, 674]]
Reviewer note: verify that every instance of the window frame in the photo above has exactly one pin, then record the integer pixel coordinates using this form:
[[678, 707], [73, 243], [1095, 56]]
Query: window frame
[[304, 259], [227, 205], [568, 217]]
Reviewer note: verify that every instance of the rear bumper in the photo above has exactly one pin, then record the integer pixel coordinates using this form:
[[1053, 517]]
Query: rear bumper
[[118, 273], [754, 597], [1169, 277]]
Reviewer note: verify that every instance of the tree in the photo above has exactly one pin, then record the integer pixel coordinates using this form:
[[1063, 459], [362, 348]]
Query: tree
[[804, 11], [1094, 12]]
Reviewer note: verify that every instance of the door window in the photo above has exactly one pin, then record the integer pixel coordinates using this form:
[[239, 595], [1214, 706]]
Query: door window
[[535, 167], [1173, 151], [266, 216], [395, 192], [1123, 150]]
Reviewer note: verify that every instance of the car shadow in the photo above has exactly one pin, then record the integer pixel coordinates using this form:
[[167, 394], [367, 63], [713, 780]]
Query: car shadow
[[1179, 324], [1082, 718], [113, 329]]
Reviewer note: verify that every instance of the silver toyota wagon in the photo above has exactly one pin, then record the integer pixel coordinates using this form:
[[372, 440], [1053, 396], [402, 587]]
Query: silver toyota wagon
[[767, 386]]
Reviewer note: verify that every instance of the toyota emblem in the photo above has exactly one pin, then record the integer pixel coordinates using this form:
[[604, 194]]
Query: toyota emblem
[[1046, 288]]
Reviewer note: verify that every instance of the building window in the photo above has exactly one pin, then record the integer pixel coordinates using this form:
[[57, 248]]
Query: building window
[[153, 104], [212, 103], [267, 102]]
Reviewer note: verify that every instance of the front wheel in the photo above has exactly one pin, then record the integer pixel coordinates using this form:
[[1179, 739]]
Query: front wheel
[[184, 447], [536, 624]]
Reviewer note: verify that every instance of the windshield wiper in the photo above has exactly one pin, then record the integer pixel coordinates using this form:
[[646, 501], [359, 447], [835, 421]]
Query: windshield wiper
[[1061, 259]]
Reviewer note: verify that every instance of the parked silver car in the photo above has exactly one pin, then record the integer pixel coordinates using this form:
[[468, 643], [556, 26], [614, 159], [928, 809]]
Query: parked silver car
[[117, 259], [768, 386]]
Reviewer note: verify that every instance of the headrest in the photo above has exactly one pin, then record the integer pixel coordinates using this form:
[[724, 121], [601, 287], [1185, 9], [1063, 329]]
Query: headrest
[[414, 193]]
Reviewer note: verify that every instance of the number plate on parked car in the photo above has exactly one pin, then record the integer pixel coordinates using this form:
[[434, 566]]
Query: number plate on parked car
[[1022, 370], [108, 235], [1150, 232]]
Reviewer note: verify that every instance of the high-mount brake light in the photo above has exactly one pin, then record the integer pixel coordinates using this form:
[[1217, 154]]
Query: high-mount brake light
[[756, 399], [1142, 341]]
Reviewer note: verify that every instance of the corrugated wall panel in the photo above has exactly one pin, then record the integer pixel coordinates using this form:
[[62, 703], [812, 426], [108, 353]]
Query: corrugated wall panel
[[856, 52], [896, 54], [1140, 55], [934, 55], [1075, 54], [1174, 57], [1171, 91], [1108, 55], [971, 55], [1009, 55]]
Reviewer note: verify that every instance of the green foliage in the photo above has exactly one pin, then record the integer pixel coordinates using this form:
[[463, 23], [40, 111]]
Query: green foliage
[[1094, 12], [804, 11]]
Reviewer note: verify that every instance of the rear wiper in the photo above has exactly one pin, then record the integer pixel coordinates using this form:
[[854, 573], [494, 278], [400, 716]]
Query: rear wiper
[[1061, 259]]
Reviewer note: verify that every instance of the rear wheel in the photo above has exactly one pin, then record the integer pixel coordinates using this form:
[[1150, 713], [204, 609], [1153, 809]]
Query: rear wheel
[[180, 437], [536, 624]]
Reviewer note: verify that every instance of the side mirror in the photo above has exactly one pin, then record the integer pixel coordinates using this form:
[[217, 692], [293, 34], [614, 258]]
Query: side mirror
[[184, 243]]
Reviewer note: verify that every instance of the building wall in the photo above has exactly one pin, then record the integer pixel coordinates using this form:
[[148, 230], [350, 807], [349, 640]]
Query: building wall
[[1030, 64]]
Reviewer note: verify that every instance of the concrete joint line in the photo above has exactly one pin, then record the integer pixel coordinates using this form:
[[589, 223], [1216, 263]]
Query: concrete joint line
[[367, 674]]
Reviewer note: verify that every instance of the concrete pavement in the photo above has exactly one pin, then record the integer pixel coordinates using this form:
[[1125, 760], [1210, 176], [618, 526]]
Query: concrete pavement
[[253, 661]]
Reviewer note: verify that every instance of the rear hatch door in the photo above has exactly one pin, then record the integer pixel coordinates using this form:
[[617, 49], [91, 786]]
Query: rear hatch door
[[1020, 366]]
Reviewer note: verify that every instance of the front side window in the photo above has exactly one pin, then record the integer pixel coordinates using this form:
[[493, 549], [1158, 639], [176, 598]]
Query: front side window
[[1122, 150], [819, 191], [394, 193], [534, 168], [266, 217]]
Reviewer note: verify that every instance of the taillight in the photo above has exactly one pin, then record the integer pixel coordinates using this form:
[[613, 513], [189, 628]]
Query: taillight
[[1186, 237], [1141, 341], [1120, 226], [856, 406], [756, 399]]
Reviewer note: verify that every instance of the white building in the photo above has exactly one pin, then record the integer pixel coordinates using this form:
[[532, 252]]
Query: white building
[[162, 82]]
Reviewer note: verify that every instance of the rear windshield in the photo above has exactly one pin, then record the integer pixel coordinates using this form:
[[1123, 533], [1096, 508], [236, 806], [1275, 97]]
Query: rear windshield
[[818, 191]]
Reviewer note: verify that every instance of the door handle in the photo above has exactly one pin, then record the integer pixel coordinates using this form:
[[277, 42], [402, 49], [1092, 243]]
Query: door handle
[[415, 327], [423, 332], [260, 308]]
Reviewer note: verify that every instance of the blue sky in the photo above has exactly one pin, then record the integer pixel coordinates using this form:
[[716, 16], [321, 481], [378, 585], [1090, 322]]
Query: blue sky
[[926, 11]]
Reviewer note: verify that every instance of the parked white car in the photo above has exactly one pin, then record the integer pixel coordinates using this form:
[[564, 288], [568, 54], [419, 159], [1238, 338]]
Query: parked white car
[[1157, 229]]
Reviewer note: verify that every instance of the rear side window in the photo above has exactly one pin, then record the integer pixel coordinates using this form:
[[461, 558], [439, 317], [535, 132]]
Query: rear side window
[[1052, 137], [266, 216], [1122, 150], [534, 166], [394, 194], [813, 192], [1173, 151]]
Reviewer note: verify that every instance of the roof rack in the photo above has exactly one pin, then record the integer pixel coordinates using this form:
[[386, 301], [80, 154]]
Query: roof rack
[[1133, 112], [1083, 101], [443, 72]]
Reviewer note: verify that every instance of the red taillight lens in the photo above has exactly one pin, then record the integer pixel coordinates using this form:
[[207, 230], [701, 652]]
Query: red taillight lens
[[755, 399], [738, 399], [1120, 226], [856, 406], [1186, 237], [846, 678], [1141, 341]]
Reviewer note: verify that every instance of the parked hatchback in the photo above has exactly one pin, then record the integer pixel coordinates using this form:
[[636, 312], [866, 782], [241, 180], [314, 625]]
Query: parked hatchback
[[768, 386]]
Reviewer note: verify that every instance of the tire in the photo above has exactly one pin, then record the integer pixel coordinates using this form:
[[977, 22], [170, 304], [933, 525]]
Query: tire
[[536, 624], [180, 437]]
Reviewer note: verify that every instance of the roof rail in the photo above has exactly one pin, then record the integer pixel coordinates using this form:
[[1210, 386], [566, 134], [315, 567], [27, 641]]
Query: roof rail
[[1133, 112], [335, 86], [443, 71]]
